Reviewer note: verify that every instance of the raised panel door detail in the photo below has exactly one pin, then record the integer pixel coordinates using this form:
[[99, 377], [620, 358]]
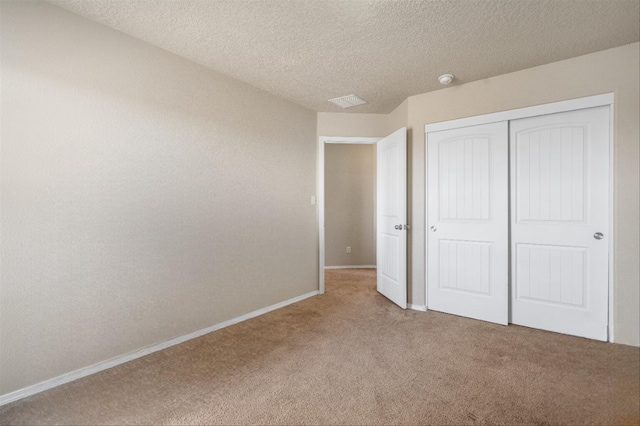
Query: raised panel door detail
[[553, 274], [390, 180], [389, 266], [551, 174], [465, 266], [464, 167]]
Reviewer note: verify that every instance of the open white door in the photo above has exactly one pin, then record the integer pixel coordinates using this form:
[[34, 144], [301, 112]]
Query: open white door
[[468, 217], [391, 214]]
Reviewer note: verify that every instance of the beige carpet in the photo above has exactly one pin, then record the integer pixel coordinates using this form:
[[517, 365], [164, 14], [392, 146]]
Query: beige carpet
[[352, 357]]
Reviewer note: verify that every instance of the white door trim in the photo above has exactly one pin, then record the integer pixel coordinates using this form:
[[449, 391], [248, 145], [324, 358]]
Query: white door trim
[[322, 140], [527, 112], [611, 219], [550, 108]]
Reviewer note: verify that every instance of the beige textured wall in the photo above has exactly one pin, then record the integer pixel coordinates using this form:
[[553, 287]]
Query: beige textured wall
[[398, 118], [142, 196], [352, 125], [615, 70], [350, 177]]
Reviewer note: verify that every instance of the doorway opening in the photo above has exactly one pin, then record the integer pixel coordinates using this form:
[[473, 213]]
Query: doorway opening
[[390, 212], [325, 143]]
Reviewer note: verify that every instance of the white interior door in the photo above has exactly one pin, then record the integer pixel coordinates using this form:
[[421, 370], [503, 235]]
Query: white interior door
[[467, 221], [560, 216], [391, 212]]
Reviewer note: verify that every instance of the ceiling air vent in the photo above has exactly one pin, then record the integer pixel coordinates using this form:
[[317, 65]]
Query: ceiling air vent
[[348, 101]]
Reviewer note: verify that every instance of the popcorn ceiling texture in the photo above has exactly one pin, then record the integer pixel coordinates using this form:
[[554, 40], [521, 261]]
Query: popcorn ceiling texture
[[384, 51]]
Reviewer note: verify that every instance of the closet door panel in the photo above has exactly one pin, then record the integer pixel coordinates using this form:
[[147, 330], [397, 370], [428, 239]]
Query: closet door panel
[[560, 201], [467, 245]]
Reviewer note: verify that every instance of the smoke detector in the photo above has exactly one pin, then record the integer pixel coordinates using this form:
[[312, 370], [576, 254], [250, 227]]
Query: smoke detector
[[445, 79], [348, 101]]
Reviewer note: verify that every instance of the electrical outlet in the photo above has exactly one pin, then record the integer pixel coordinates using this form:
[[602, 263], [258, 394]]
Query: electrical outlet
[[348, 250]]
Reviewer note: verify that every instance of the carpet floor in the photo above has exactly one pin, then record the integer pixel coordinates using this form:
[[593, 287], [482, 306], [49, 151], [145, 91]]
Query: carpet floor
[[352, 357]]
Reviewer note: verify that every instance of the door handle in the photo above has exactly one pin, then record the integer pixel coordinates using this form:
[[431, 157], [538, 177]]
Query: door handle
[[398, 227], [598, 235], [433, 229]]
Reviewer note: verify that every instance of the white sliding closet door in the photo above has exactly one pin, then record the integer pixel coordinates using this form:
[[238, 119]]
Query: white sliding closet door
[[467, 243], [559, 222]]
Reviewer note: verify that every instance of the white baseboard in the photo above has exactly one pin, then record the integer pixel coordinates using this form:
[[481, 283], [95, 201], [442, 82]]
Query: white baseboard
[[351, 267], [421, 308], [95, 368]]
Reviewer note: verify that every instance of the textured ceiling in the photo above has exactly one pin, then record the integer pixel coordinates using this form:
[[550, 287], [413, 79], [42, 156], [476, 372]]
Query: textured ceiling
[[309, 51]]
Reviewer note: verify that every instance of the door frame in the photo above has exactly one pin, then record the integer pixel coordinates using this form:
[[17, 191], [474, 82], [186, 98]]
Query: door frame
[[322, 141], [606, 99]]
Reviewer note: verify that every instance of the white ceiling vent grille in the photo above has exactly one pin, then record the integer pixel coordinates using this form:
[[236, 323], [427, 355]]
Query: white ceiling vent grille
[[348, 101]]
